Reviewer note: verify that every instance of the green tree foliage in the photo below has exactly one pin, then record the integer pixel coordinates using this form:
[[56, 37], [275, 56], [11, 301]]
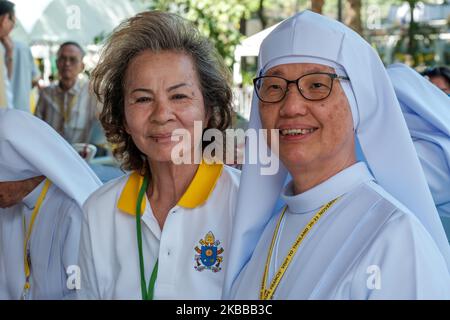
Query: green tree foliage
[[219, 20], [415, 52]]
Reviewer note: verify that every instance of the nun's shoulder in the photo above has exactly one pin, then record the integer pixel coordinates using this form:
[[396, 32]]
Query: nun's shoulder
[[11, 120], [401, 234], [401, 262], [400, 223], [401, 254], [383, 195]]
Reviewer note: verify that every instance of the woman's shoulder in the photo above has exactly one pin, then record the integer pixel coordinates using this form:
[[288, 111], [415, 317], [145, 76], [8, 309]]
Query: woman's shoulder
[[107, 192], [231, 175]]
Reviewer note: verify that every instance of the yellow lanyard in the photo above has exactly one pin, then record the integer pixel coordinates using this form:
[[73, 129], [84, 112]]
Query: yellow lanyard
[[26, 255], [67, 110], [267, 293]]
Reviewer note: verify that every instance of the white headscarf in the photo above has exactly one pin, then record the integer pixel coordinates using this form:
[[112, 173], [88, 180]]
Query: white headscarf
[[30, 148], [426, 108], [378, 124]]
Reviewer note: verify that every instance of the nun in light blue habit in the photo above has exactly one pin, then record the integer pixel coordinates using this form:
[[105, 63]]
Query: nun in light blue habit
[[350, 230], [427, 113], [40, 230]]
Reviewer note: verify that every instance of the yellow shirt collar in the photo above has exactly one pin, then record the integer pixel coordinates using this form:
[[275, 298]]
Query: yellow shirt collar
[[196, 194]]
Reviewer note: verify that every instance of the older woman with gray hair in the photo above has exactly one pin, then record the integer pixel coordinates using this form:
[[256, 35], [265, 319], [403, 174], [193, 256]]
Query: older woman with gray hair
[[162, 231]]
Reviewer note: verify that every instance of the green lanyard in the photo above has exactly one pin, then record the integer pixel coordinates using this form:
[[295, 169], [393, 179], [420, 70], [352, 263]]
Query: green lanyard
[[147, 294]]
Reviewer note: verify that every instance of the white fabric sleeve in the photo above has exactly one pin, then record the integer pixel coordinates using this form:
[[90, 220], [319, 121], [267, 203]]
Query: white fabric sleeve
[[403, 262], [70, 232], [89, 285]]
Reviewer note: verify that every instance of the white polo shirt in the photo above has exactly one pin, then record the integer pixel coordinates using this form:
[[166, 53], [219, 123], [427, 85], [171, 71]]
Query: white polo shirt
[[201, 221], [54, 246]]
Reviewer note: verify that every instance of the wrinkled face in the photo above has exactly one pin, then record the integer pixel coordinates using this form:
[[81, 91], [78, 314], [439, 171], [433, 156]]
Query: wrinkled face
[[441, 83], [12, 192], [312, 133], [69, 62], [162, 93]]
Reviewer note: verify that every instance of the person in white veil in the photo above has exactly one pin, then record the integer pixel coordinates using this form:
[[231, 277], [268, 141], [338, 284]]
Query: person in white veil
[[426, 111], [349, 230], [43, 184]]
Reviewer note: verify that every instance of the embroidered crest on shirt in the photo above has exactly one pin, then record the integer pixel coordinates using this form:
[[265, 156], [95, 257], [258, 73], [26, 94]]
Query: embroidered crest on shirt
[[208, 254]]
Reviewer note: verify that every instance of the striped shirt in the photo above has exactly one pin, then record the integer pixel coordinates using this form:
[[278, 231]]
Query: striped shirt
[[71, 113]]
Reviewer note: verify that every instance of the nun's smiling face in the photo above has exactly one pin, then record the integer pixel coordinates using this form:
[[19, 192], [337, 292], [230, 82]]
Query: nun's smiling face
[[12, 192], [316, 137]]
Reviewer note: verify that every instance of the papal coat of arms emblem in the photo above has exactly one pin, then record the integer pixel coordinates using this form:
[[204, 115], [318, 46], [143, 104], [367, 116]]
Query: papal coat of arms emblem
[[208, 257]]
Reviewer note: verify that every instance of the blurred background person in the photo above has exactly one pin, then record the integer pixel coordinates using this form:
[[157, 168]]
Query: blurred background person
[[25, 76], [68, 106], [7, 22], [440, 77]]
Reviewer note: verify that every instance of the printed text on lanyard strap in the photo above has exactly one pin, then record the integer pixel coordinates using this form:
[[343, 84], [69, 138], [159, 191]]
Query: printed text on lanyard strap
[[267, 293]]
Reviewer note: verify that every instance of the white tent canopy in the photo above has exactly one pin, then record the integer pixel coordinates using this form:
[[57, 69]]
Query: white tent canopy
[[423, 12], [248, 48], [56, 21], [28, 12]]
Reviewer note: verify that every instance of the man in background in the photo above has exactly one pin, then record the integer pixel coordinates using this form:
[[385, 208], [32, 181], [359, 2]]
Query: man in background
[[68, 106]]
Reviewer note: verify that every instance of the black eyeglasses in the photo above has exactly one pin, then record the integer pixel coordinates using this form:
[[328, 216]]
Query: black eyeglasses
[[312, 86]]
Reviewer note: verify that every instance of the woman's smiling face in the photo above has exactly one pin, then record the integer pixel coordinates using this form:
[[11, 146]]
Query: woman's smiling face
[[162, 94], [317, 133]]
